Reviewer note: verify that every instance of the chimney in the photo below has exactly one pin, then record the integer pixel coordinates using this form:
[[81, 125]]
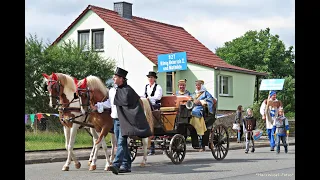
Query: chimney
[[124, 9]]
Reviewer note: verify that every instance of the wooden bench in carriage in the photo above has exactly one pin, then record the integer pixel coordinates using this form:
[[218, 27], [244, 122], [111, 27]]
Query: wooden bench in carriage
[[171, 125]]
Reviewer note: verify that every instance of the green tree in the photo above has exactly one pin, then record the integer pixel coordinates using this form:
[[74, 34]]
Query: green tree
[[259, 51], [263, 52], [67, 58]]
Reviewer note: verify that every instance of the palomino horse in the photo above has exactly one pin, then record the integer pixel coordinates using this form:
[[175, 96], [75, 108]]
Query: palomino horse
[[92, 90], [62, 89]]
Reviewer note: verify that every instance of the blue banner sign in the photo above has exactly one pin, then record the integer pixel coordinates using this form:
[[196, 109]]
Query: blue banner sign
[[271, 84], [172, 62]]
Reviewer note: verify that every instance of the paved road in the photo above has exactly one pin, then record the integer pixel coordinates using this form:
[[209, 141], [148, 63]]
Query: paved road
[[263, 164]]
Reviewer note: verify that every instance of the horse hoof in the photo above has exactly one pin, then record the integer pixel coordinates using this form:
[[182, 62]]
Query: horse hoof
[[78, 165], [142, 165], [93, 167], [65, 168], [89, 163]]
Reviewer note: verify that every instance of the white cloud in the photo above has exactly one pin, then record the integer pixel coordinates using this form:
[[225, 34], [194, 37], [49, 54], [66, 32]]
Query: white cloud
[[212, 22], [214, 33]]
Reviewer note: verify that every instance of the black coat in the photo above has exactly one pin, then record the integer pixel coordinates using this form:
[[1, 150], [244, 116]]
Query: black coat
[[133, 121]]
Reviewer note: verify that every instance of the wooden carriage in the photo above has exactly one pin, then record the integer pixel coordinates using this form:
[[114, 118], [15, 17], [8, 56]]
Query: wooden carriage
[[172, 127]]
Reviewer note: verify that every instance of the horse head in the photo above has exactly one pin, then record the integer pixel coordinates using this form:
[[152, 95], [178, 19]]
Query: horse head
[[91, 90], [61, 88]]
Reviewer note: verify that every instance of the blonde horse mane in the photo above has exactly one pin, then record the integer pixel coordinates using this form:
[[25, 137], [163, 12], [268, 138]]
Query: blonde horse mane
[[148, 113], [95, 83], [67, 81]]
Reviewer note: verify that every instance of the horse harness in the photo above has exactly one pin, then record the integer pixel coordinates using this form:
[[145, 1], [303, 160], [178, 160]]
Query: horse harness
[[90, 100], [64, 108]]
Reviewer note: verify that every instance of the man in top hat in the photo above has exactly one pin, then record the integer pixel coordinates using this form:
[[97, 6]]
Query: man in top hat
[[182, 88], [201, 98], [132, 121], [153, 92], [269, 111]]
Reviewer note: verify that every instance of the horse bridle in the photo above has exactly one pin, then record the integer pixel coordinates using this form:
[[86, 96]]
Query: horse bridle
[[89, 98]]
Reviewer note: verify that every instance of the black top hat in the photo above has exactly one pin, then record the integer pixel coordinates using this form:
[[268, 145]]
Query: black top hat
[[121, 72], [151, 73]]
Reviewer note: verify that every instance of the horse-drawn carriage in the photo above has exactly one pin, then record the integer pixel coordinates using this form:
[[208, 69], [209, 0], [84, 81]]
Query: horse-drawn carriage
[[172, 127]]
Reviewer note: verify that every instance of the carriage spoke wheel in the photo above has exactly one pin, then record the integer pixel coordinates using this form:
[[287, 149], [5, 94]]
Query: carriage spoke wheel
[[166, 144], [133, 149], [177, 149], [220, 138]]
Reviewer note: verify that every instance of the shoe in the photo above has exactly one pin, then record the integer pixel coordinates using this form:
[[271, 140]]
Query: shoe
[[272, 149], [286, 150], [246, 152], [252, 150], [114, 169], [150, 154], [278, 151], [124, 170]]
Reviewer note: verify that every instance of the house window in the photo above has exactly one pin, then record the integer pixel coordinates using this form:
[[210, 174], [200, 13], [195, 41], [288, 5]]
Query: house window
[[225, 85], [97, 40], [169, 83], [83, 39]]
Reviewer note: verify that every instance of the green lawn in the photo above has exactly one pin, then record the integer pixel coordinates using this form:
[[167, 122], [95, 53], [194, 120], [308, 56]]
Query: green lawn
[[54, 140]]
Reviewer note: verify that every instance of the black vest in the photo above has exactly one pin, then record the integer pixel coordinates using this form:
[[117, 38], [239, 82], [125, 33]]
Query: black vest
[[152, 93]]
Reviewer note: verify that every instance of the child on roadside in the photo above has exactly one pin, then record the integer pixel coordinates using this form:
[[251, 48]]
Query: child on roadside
[[249, 124], [281, 129]]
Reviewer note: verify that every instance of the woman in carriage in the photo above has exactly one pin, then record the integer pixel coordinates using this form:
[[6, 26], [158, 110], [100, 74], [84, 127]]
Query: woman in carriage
[[201, 98]]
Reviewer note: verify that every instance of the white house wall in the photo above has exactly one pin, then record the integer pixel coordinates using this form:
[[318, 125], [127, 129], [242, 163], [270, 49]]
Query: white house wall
[[117, 48]]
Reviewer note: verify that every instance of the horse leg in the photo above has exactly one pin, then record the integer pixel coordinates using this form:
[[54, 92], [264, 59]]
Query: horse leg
[[94, 138], [113, 146], [145, 151], [66, 131], [96, 147], [73, 133]]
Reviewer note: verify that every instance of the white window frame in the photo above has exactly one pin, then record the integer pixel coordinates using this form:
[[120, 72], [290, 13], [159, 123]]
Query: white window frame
[[222, 84], [169, 81], [80, 40], [94, 32]]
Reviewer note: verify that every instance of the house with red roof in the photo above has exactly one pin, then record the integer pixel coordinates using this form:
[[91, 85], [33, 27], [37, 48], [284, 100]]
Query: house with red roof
[[135, 43]]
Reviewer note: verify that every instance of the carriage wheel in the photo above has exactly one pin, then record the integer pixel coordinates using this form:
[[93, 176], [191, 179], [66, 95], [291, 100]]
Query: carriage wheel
[[133, 149], [177, 149], [166, 145], [219, 136]]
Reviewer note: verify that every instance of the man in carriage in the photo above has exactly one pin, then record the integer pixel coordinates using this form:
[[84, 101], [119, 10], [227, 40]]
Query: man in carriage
[[201, 98], [153, 92]]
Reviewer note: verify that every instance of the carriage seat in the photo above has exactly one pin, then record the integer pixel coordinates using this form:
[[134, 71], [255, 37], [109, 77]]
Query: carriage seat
[[168, 109], [172, 103]]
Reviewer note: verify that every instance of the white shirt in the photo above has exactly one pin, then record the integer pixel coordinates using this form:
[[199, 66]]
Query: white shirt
[[273, 111], [109, 104], [157, 93], [112, 93]]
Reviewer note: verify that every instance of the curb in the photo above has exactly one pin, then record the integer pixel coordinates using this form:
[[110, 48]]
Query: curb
[[158, 152]]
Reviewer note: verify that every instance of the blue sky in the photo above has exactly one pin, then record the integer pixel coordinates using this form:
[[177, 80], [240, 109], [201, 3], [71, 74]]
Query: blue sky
[[212, 22]]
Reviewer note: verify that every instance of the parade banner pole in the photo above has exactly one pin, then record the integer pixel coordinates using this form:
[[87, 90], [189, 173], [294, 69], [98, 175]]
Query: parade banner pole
[[173, 84]]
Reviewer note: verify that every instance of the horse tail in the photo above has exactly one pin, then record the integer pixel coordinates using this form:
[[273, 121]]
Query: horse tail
[[148, 113]]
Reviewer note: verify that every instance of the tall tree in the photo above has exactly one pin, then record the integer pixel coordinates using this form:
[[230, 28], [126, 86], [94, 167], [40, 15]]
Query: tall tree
[[263, 52], [259, 51], [67, 58]]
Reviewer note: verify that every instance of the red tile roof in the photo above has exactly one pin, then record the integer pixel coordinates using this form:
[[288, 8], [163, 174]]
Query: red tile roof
[[152, 38]]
